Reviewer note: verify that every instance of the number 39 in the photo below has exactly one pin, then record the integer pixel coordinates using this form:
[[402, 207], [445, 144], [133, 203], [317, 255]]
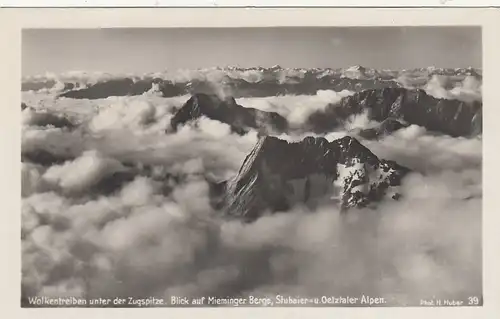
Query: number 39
[[473, 301]]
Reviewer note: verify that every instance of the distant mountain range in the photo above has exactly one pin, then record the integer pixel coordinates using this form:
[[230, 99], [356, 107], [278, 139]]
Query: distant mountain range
[[240, 82]]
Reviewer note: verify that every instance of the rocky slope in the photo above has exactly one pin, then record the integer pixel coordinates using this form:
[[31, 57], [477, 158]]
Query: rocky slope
[[240, 118], [451, 117], [306, 85], [277, 175]]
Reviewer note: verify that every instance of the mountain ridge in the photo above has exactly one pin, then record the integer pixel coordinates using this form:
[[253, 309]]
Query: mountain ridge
[[240, 119], [276, 175]]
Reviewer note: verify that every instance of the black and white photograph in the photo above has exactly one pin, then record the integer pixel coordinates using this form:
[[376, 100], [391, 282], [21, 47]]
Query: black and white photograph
[[251, 167]]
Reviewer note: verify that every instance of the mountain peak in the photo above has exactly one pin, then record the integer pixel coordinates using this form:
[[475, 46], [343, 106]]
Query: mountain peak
[[278, 174]]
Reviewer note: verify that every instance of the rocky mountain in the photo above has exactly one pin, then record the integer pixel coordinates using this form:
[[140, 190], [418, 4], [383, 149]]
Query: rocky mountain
[[123, 87], [451, 117], [226, 110], [277, 175]]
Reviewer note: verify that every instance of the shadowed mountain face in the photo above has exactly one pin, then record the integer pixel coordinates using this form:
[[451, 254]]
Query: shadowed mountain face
[[246, 82], [387, 127], [240, 118], [394, 108], [451, 117], [277, 175], [43, 157]]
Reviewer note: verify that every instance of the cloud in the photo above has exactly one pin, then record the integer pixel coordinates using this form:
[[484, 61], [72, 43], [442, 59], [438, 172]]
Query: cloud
[[415, 148], [142, 241]]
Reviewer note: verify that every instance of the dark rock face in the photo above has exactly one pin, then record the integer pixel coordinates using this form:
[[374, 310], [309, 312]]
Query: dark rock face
[[451, 117], [217, 192], [276, 175], [240, 118], [23, 106], [35, 86], [387, 127], [57, 121]]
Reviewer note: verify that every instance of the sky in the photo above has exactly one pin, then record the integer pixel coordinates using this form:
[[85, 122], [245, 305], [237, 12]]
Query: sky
[[152, 50]]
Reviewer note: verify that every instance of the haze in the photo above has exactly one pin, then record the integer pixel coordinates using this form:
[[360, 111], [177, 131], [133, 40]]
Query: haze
[[152, 50]]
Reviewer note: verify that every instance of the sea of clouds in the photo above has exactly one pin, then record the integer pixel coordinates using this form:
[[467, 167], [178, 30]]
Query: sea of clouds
[[142, 241]]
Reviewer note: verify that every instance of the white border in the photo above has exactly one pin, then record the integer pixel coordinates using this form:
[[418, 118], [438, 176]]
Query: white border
[[247, 3], [11, 22]]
